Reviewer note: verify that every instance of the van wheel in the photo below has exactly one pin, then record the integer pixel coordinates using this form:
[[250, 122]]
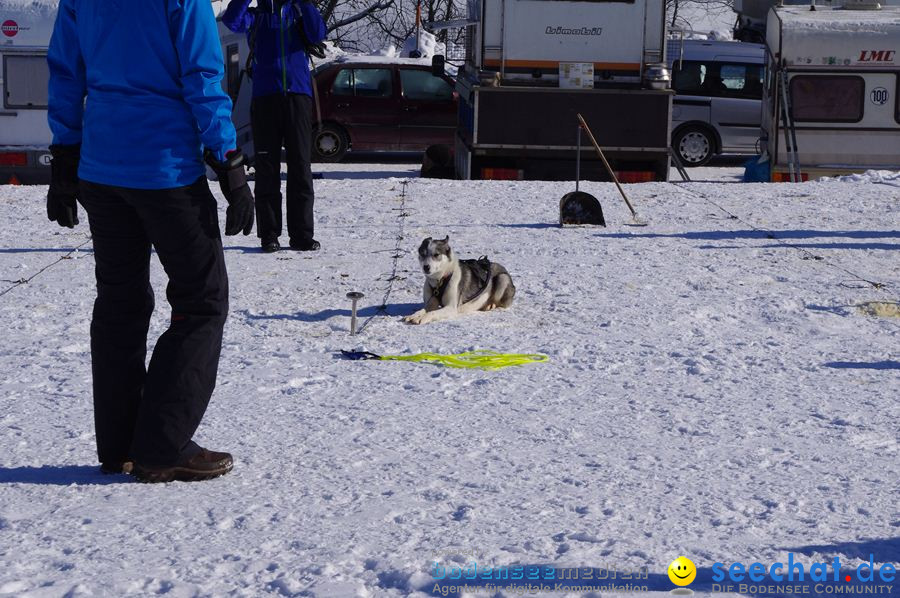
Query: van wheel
[[330, 143], [695, 146]]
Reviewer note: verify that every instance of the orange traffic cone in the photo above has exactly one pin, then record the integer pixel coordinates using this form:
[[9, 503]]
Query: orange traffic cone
[[14, 180]]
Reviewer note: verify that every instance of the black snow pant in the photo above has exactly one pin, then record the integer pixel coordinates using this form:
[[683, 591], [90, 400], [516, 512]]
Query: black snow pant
[[150, 413], [283, 119]]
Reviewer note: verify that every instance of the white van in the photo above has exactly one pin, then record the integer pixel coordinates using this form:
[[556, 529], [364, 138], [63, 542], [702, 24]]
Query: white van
[[718, 91], [24, 134]]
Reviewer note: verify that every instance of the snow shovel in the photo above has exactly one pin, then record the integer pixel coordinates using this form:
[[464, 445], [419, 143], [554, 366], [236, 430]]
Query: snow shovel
[[635, 221], [577, 207]]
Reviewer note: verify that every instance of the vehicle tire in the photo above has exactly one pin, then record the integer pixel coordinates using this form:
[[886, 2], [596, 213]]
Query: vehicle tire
[[694, 145], [330, 143]]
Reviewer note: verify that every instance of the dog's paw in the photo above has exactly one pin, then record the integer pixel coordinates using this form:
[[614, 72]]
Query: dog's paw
[[415, 318]]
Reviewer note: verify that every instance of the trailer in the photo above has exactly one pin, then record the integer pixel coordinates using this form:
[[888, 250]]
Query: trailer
[[531, 66], [750, 23], [24, 133], [236, 82], [831, 102]]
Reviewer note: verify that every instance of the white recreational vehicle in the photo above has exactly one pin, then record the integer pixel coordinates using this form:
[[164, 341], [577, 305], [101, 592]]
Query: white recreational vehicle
[[530, 67], [831, 103], [750, 24], [236, 82], [24, 134]]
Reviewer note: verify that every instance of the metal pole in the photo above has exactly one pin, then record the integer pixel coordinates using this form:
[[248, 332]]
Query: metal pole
[[354, 296], [578, 159]]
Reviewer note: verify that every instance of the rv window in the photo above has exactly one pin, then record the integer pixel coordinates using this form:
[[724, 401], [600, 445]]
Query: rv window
[[422, 85], [25, 81], [827, 98], [232, 70]]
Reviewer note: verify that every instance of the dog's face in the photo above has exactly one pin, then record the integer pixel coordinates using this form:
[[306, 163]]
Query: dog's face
[[436, 257]]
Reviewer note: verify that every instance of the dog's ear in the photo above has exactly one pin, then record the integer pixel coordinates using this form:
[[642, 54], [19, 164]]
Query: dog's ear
[[447, 239], [423, 248]]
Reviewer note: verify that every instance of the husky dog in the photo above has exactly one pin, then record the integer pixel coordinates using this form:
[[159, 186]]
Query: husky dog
[[456, 287]]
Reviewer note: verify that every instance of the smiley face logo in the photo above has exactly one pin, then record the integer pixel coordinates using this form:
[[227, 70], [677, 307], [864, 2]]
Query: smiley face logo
[[682, 571]]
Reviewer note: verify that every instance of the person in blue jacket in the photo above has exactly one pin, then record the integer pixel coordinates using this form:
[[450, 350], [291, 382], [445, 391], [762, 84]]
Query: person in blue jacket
[[279, 32], [135, 100]]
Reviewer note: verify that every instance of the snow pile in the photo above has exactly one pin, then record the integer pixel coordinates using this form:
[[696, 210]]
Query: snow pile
[[427, 45], [389, 51], [332, 52], [869, 176], [720, 35], [712, 35]]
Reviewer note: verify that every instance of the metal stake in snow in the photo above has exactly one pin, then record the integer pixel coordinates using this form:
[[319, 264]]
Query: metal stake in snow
[[634, 218], [354, 296]]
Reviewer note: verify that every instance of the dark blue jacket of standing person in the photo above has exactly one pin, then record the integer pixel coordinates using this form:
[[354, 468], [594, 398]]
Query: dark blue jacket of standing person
[[280, 62], [137, 84]]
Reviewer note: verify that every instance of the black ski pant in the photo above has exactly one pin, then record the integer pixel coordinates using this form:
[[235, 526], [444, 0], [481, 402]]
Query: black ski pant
[[283, 120], [150, 413]]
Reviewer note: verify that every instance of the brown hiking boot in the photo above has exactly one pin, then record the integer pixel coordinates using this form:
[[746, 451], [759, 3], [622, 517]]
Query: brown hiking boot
[[115, 467], [203, 465]]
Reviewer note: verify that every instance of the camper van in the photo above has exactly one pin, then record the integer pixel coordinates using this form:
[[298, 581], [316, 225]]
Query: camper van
[[531, 67], [830, 103], [24, 134], [718, 87]]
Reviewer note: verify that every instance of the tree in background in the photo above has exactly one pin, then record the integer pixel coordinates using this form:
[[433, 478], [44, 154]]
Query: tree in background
[[681, 13], [365, 26]]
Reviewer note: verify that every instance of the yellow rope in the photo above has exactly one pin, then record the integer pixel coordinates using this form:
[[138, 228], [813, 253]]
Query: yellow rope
[[485, 360]]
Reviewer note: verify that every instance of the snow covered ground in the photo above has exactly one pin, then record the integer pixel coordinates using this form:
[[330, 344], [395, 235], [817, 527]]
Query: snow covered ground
[[719, 387]]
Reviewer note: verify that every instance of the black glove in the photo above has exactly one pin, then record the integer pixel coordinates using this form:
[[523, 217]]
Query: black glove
[[233, 182], [61, 204]]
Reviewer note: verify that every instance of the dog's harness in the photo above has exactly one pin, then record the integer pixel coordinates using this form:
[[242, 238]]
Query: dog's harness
[[480, 268]]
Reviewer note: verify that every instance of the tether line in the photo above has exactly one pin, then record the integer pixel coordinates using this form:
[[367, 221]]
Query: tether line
[[21, 281], [769, 234], [398, 252]]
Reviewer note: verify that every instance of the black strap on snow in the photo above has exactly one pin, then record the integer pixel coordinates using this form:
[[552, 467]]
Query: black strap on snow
[[357, 355]]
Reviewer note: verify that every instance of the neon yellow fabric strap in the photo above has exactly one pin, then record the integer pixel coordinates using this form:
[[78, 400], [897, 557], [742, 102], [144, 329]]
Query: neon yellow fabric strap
[[485, 360]]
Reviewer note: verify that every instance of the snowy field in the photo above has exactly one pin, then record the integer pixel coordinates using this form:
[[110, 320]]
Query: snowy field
[[722, 384]]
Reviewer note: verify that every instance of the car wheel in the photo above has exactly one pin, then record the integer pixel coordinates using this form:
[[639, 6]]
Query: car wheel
[[330, 143], [695, 146]]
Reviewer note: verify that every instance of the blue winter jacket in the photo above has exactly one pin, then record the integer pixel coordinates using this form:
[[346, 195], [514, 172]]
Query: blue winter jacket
[[137, 84], [280, 62]]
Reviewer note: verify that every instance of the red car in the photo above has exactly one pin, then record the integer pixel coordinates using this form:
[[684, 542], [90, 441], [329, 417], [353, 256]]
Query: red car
[[382, 105]]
